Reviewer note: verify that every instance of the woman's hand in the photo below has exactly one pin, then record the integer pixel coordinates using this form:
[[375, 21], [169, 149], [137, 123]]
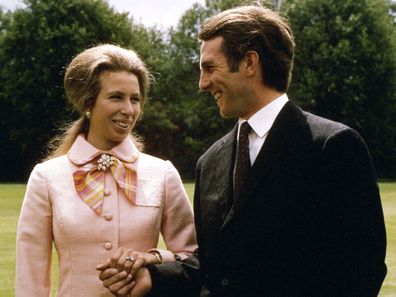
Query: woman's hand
[[118, 273], [129, 261]]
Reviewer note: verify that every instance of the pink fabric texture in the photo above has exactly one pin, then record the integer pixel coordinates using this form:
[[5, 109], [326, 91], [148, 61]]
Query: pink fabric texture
[[54, 215]]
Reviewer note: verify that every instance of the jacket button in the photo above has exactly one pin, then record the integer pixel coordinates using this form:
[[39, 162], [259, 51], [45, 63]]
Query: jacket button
[[108, 245], [224, 282], [108, 217], [107, 192]]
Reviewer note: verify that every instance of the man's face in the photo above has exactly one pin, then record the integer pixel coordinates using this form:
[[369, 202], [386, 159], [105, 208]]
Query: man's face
[[228, 88]]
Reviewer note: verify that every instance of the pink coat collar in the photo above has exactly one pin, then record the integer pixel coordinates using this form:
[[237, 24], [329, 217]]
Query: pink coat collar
[[83, 152]]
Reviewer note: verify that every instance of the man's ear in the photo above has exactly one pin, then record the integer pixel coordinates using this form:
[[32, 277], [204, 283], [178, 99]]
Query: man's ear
[[252, 63]]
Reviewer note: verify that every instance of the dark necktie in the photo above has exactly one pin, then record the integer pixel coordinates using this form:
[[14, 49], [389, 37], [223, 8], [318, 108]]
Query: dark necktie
[[243, 158]]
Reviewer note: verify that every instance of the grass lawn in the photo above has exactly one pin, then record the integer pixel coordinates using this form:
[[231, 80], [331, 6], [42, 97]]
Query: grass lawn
[[11, 196]]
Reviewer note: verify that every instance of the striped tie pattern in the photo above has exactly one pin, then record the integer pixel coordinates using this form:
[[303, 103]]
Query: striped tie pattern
[[89, 180]]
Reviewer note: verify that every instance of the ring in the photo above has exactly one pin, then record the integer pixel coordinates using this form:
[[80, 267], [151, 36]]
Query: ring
[[132, 259]]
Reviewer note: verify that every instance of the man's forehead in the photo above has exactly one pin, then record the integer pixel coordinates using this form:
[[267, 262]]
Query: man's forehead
[[212, 44], [211, 49]]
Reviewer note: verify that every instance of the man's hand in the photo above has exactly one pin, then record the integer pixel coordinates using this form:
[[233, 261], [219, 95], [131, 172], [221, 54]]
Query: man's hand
[[122, 284], [118, 283], [143, 283]]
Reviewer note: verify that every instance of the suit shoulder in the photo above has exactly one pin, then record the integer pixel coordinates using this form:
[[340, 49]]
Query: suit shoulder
[[322, 128], [213, 149]]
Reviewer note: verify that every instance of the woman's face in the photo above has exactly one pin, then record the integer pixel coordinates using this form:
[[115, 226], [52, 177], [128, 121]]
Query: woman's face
[[116, 109]]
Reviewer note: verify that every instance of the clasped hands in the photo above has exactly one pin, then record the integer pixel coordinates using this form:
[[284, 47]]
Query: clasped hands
[[125, 275]]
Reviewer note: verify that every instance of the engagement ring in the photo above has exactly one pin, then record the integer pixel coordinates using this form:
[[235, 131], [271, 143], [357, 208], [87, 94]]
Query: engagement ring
[[132, 259]]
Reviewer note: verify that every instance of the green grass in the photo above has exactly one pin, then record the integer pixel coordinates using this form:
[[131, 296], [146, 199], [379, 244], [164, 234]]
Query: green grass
[[11, 196], [10, 204], [388, 197]]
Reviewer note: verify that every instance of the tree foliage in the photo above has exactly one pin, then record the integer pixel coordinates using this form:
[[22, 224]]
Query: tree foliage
[[36, 45], [175, 97], [345, 67], [215, 6], [345, 70], [179, 123]]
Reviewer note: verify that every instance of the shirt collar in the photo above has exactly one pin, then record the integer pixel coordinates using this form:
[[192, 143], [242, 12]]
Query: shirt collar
[[263, 119], [83, 152]]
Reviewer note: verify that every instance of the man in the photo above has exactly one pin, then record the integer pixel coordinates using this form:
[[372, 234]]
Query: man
[[305, 217]]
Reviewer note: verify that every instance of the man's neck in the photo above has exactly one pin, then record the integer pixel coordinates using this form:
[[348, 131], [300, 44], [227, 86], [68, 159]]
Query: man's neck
[[263, 96]]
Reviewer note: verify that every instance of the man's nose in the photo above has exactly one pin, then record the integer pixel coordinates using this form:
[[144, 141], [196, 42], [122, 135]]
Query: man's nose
[[204, 82]]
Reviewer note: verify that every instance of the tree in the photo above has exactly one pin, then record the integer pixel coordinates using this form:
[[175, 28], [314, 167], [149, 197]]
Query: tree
[[392, 9], [215, 6], [345, 68], [5, 110], [335, 43], [178, 117], [36, 45]]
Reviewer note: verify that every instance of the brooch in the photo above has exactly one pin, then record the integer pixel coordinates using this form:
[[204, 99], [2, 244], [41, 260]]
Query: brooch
[[105, 161]]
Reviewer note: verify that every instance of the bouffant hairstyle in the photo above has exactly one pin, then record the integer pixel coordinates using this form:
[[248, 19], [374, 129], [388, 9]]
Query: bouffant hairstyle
[[82, 86]]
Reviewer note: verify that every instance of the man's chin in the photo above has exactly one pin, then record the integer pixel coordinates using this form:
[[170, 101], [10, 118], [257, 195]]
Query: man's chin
[[227, 114]]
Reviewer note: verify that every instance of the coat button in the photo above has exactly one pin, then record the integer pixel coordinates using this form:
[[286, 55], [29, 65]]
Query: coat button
[[224, 282], [108, 217], [107, 192], [108, 245]]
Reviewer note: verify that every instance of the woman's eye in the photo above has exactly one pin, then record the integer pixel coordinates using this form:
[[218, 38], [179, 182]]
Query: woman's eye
[[135, 99]]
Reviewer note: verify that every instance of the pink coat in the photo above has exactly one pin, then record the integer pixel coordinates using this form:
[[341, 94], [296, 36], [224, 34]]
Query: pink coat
[[53, 212]]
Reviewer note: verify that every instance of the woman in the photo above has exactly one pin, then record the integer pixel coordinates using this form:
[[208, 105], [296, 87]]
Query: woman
[[97, 192]]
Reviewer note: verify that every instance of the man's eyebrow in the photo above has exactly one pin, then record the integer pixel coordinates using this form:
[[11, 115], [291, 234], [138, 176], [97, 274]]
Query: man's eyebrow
[[206, 64]]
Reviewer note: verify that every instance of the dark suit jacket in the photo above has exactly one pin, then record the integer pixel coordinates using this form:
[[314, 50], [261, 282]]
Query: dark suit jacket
[[309, 221]]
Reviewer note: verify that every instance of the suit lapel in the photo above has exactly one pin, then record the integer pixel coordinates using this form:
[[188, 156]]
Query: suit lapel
[[281, 138], [224, 171]]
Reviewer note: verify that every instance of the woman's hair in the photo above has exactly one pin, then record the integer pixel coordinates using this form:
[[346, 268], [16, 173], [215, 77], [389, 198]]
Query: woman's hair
[[82, 86], [259, 29]]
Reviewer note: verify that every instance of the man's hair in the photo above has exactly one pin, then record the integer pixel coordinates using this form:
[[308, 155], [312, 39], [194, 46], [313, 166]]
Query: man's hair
[[259, 29]]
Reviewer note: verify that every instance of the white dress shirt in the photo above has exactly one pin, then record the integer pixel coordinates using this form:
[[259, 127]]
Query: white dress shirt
[[261, 122]]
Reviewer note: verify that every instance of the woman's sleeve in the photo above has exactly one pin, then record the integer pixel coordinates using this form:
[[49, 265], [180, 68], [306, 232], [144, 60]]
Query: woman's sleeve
[[34, 239], [177, 226]]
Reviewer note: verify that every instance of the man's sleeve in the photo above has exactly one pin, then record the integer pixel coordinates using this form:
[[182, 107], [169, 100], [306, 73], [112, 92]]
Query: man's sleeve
[[359, 243], [179, 278]]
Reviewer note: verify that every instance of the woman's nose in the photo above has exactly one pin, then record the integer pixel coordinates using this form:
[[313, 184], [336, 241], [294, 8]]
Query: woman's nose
[[127, 107]]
